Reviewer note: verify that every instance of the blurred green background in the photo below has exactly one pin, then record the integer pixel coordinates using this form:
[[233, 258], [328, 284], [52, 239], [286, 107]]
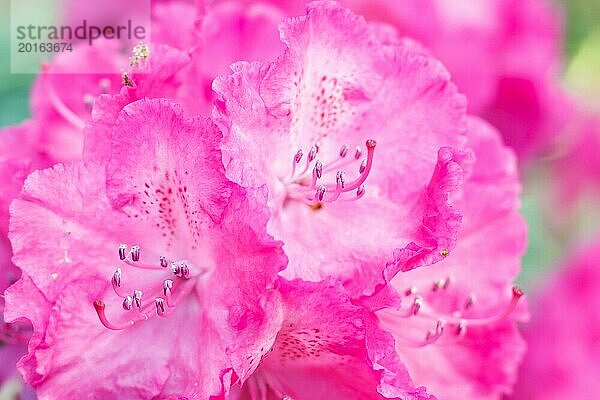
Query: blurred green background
[[582, 66]]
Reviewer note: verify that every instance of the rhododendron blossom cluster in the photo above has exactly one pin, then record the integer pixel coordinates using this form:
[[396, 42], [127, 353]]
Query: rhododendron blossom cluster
[[256, 206]]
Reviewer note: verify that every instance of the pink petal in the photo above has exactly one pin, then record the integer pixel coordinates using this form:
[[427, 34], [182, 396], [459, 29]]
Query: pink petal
[[484, 263]]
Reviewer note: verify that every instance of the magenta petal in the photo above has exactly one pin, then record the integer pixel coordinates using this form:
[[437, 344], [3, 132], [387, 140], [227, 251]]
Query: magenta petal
[[66, 233]]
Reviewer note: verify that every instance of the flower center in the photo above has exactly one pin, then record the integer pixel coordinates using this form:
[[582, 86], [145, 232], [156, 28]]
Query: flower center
[[422, 312], [174, 281], [314, 183]]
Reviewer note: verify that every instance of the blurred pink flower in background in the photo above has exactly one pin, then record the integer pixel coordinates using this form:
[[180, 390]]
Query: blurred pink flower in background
[[192, 282], [576, 168], [563, 337]]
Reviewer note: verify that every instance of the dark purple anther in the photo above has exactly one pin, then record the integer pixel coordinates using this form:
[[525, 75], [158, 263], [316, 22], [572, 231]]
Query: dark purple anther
[[343, 151], [184, 271], [135, 253], [137, 298], [127, 303], [122, 251], [320, 193], [340, 179], [318, 169], [363, 166], [116, 278], [160, 305], [312, 153], [175, 268], [358, 152], [167, 286]]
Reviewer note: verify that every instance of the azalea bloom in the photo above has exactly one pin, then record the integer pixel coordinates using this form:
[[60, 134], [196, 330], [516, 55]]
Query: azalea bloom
[[359, 144], [563, 349], [456, 331], [150, 260]]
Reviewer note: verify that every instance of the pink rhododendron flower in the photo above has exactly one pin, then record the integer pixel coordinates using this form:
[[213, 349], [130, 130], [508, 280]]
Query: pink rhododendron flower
[[563, 347], [359, 144], [190, 283], [456, 330]]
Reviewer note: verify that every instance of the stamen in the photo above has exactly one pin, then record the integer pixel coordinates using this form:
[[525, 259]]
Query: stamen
[[163, 262], [417, 304], [296, 161], [438, 284], [446, 283], [135, 253], [175, 268], [340, 179], [318, 170], [116, 278], [461, 329], [410, 291], [122, 251], [174, 291], [167, 287], [160, 306], [185, 271], [320, 193], [360, 192], [456, 320], [358, 153], [303, 187], [470, 301], [137, 298], [127, 303], [434, 335], [363, 166], [312, 153], [363, 176], [343, 151], [100, 307]]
